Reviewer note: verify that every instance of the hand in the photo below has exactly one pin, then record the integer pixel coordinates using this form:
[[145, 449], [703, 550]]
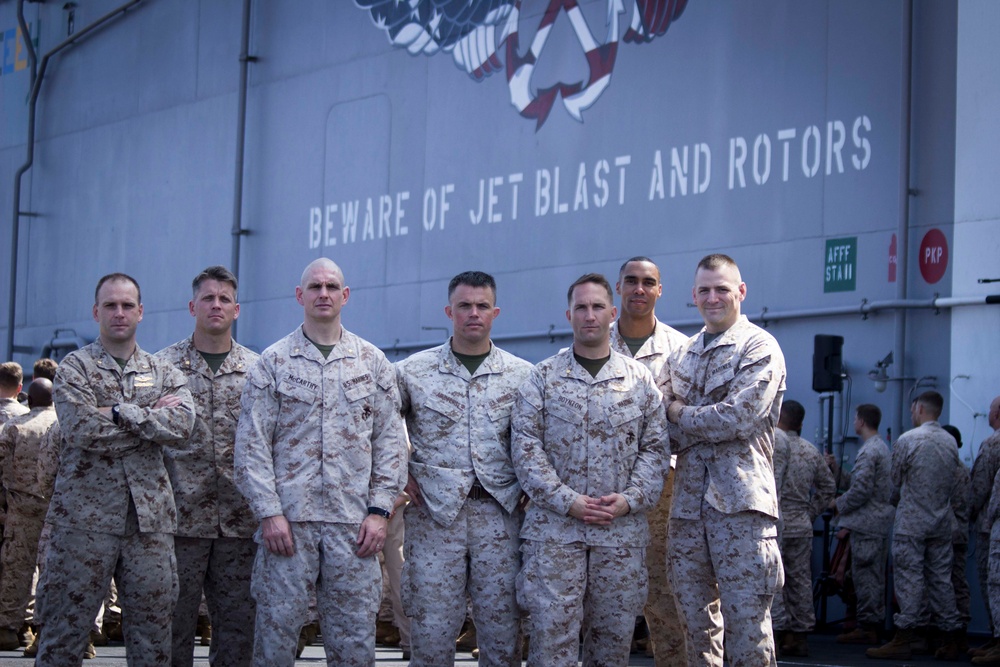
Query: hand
[[168, 401], [412, 489], [843, 533], [371, 537], [277, 535], [674, 410], [606, 509], [832, 505], [401, 501]]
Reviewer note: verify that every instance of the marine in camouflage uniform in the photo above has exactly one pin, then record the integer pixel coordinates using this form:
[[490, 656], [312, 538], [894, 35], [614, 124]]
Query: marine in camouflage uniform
[[112, 510], [463, 524], [10, 384], [865, 512], [990, 654], [638, 334], [588, 445], [807, 488], [728, 381], [214, 540], [320, 457], [28, 456], [984, 470], [924, 460]]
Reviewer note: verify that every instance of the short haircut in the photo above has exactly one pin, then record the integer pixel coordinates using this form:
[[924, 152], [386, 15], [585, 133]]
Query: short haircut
[[595, 278], [638, 258], [217, 272], [715, 261], [11, 375], [932, 401], [44, 368], [870, 414], [115, 277], [473, 279], [792, 414], [955, 433]]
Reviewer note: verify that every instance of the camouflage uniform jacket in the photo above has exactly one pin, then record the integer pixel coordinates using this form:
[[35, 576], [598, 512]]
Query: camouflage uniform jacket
[[725, 437], [575, 434], [865, 507], [923, 473], [9, 407], [208, 503], [102, 465], [459, 426], [29, 452], [807, 487], [320, 439], [984, 469], [653, 354]]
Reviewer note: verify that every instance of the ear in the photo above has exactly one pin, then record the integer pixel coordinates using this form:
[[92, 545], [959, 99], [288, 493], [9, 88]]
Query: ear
[[298, 295], [447, 311], [236, 313], [140, 312], [618, 288], [614, 313], [347, 294], [191, 308], [743, 291], [95, 313], [496, 312], [568, 318]]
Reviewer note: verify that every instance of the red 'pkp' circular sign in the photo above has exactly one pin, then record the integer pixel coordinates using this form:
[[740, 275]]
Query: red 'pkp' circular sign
[[933, 256]]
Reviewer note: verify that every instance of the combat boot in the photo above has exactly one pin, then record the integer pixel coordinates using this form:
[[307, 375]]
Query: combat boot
[[797, 645], [9, 640], [990, 656], [950, 650], [859, 635], [897, 649], [985, 648]]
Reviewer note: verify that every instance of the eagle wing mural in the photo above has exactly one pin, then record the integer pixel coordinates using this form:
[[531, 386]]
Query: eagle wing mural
[[474, 31]]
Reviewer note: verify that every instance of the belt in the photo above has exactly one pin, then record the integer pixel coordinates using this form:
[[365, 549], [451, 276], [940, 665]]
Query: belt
[[477, 492]]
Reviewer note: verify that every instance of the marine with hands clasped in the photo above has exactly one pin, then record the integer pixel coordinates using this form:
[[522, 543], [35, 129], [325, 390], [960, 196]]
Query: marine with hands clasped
[[214, 539], [320, 457], [589, 445], [112, 511], [462, 527], [727, 382]]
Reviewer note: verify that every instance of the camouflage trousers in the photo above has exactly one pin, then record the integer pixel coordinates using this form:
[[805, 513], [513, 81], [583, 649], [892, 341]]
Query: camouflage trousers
[[726, 569], [222, 568], [922, 571], [392, 558], [983, 550], [18, 558], [792, 606], [993, 577], [569, 587], [868, 556], [478, 556], [666, 631], [77, 572], [347, 590], [960, 583]]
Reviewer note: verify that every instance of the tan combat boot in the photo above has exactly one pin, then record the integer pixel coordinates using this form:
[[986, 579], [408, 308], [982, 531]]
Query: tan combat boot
[[897, 649], [859, 635]]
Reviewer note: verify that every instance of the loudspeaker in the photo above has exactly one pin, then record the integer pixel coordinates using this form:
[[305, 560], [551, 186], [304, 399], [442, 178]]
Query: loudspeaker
[[828, 363]]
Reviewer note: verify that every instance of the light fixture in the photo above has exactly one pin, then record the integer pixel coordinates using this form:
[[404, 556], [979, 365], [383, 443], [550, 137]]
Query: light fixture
[[879, 375]]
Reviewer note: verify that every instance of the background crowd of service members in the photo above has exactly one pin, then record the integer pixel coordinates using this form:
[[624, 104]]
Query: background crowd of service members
[[638, 472]]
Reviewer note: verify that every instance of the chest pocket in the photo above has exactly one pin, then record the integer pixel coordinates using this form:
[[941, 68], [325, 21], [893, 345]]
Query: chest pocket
[[356, 390], [623, 415], [141, 388], [567, 413], [501, 411], [444, 408], [296, 392]]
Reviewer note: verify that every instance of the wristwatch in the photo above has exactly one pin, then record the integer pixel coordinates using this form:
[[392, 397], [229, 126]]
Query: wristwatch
[[115, 414], [378, 510]]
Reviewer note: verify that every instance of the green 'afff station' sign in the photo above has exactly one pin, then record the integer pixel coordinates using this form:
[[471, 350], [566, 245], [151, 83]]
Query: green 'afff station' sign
[[841, 266]]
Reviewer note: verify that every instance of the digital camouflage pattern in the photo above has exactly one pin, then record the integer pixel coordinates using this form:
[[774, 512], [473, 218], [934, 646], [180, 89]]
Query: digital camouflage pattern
[[924, 460], [112, 508], [459, 430], [214, 540], [9, 407], [724, 441], [28, 456], [576, 434], [662, 617], [865, 509], [984, 470], [807, 488], [319, 440]]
